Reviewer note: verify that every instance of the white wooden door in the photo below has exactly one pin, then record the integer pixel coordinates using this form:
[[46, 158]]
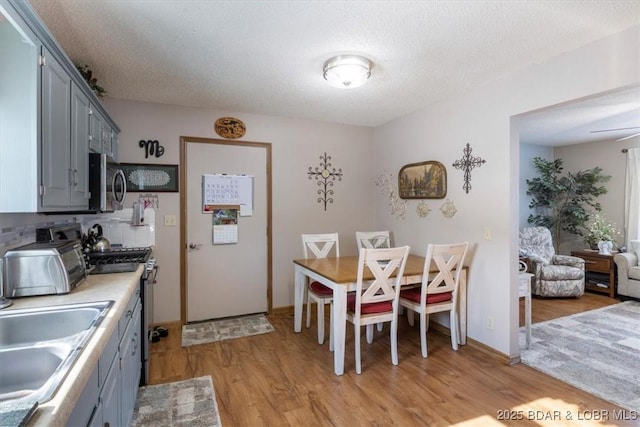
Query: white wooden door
[[229, 279]]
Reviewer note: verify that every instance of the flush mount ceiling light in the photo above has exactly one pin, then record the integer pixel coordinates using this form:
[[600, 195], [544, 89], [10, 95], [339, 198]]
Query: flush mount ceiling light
[[347, 71]]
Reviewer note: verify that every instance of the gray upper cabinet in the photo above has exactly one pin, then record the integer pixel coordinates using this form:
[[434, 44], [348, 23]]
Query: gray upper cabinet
[[56, 134], [95, 138], [115, 145], [103, 138], [65, 137], [50, 119], [79, 148], [108, 142], [19, 113]]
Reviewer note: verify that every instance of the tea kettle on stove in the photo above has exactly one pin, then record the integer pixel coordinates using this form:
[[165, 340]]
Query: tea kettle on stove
[[96, 242]]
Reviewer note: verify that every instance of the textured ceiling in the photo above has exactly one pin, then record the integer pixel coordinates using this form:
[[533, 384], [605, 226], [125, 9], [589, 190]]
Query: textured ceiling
[[611, 116], [266, 57]]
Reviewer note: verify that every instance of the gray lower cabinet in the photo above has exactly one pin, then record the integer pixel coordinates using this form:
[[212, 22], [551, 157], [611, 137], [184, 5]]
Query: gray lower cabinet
[[85, 407], [108, 411], [131, 366], [109, 397]]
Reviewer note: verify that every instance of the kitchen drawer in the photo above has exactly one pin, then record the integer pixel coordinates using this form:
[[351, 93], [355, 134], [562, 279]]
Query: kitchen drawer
[[597, 264]]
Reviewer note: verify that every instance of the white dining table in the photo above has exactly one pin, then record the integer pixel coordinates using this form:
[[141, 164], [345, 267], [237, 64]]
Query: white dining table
[[340, 274]]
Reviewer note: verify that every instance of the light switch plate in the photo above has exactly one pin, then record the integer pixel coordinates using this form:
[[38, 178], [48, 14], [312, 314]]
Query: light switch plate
[[487, 233], [170, 221]]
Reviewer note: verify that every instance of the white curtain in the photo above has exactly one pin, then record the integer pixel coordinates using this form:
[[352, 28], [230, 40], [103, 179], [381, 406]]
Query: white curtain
[[632, 196]]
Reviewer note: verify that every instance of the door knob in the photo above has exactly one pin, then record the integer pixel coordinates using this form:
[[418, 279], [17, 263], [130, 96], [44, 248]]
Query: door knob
[[195, 246]]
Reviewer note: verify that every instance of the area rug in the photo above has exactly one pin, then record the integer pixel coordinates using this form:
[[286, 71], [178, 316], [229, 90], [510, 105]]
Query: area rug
[[183, 403], [597, 351], [225, 329]]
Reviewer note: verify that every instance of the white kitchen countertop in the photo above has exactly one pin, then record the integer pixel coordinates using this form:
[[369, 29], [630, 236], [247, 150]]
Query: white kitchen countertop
[[100, 287]]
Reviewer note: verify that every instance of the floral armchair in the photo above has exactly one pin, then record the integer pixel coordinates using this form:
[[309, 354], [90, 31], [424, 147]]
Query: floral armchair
[[553, 275]]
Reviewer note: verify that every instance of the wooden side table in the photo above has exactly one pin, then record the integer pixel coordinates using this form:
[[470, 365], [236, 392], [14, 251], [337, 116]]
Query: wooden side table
[[600, 272], [524, 291]]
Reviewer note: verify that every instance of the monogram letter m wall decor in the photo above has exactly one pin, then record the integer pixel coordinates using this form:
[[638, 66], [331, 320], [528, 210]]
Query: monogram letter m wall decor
[[151, 148]]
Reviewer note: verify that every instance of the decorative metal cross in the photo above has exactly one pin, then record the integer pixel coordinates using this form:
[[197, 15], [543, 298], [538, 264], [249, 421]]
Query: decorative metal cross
[[325, 175], [466, 163]]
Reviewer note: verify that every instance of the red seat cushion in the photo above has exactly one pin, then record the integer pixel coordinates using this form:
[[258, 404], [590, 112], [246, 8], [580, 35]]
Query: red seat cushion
[[414, 295], [320, 289], [376, 307]]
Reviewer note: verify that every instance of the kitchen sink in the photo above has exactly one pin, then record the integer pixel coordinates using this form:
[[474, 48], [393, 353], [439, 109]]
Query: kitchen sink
[[35, 325], [26, 370], [39, 346]]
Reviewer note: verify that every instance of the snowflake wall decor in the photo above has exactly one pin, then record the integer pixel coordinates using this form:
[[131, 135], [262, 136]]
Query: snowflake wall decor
[[448, 209], [466, 163], [325, 175], [388, 188], [422, 210]]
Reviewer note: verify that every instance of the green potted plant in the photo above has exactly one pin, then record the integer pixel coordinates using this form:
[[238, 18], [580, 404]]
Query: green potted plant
[[562, 202], [91, 81], [601, 230]]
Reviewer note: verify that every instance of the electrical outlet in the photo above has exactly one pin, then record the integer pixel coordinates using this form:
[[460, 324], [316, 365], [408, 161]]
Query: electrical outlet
[[489, 323], [487, 232], [170, 221]]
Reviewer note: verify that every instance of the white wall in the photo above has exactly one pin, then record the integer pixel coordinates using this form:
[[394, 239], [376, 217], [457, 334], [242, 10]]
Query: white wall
[[482, 118], [609, 157], [296, 146]]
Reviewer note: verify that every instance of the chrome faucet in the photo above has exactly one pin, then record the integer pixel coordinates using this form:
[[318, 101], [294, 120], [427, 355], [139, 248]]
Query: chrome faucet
[[4, 302]]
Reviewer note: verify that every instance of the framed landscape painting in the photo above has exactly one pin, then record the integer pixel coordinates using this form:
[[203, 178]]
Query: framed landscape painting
[[425, 180], [150, 177]]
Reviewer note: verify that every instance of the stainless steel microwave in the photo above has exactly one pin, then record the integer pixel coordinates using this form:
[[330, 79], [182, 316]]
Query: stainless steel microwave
[[107, 184]]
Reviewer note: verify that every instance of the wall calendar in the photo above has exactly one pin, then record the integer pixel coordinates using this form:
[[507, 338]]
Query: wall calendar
[[224, 189]]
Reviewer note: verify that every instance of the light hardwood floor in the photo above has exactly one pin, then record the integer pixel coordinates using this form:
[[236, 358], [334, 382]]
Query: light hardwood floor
[[286, 379]]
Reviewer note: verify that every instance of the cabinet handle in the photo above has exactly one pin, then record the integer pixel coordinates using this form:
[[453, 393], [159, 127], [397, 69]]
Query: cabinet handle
[[134, 342]]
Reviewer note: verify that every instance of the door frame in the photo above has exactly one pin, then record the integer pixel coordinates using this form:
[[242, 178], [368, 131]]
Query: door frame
[[184, 140]]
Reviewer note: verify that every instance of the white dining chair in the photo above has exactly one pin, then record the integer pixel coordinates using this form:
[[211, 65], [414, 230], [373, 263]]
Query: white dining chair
[[373, 239], [320, 246], [378, 302], [439, 293]]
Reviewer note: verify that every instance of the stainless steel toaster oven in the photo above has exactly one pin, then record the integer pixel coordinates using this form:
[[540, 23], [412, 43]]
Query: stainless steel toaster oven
[[44, 268]]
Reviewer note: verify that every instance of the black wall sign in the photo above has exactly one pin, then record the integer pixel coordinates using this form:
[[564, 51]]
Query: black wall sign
[[151, 148]]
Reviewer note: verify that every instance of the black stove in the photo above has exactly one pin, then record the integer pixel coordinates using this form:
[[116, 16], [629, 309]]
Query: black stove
[[119, 256]]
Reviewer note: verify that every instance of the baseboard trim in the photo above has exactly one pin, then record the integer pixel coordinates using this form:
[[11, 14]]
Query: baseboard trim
[[282, 310], [477, 345], [166, 324]]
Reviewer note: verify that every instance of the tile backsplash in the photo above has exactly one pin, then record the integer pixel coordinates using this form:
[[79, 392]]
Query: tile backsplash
[[117, 228]]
